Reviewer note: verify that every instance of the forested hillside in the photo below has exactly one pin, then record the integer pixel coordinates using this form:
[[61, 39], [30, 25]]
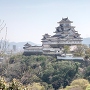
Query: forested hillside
[[49, 72]]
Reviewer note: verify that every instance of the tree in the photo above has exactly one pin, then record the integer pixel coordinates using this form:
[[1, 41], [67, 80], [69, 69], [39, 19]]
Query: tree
[[81, 83], [87, 73], [35, 86], [88, 87], [75, 87], [78, 84], [66, 49], [3, 41], [59, 73], [2, 83], [15, 85], [80, 50]]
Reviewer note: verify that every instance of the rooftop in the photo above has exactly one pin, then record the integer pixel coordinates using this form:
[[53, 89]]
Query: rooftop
[[27, 44], [65, 20]]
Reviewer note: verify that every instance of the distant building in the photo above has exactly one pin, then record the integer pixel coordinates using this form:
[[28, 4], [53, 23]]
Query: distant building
[[65, 34], [14, 47]]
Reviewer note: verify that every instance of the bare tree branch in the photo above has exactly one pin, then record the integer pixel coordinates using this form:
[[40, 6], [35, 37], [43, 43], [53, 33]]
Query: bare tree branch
[[1, 23], [3, 42], [2, 27]]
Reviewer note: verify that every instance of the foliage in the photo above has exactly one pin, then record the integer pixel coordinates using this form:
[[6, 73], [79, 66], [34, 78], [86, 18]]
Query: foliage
[[2, 83], [59, 73], [16, 85], [88, 87], [87, 73], [66, 49], [46, 70], [81, 82], [82, 50], [35, 86], [76, 87], [79, 50], [78, 84]]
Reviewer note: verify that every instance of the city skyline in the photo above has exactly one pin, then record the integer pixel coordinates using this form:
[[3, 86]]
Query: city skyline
[[29, 20]]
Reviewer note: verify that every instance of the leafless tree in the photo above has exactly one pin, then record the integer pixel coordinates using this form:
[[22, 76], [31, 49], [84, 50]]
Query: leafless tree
[[3, 41]]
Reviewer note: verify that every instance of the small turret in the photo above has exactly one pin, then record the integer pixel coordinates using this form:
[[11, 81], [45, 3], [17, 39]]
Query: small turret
[[45, 36], [27, 45]]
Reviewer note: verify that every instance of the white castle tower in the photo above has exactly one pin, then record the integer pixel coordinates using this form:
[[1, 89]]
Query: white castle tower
[[65, 34]]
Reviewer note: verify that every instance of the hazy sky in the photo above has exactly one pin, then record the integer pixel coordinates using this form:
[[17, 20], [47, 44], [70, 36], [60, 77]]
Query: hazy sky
[[28, 20]]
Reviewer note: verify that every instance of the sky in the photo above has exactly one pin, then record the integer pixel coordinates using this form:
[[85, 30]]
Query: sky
[[28, 20]]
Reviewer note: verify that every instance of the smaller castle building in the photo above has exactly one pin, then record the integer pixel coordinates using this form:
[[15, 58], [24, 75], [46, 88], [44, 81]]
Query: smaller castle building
[[32, 50]]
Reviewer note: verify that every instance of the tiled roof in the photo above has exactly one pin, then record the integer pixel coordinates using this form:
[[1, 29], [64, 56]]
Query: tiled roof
[[27, 44], [65, 20], [46, 34], [63, 31]]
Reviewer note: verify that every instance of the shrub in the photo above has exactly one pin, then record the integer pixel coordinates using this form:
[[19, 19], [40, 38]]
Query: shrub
[[80, 82], [35, 86], [76, 87], [88, 87]]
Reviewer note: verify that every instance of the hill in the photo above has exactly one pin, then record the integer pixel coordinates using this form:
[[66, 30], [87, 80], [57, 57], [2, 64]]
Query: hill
[[20, 45], [86, 41]]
